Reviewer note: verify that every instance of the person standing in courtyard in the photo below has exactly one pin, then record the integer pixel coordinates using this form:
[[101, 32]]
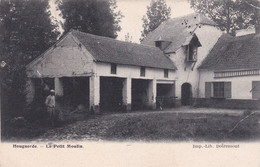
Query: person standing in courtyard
[[50, 104]]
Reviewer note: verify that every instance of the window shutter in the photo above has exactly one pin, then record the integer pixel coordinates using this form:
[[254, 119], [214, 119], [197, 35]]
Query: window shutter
[[207, 89], [227, 89], [256, 89], [187, 52], [195, 53]]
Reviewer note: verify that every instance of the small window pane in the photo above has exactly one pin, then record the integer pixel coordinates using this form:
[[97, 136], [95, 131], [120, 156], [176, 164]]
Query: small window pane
[[158, 44], [142, 71], [166, 73], [218, 89], [113, 68], [192, 52]]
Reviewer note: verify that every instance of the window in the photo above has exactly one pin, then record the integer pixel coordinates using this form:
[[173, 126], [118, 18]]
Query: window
[[158, 44], [113, 68], [255, 90], [192, 51], [142, 71], [218, 89], [166, 73]]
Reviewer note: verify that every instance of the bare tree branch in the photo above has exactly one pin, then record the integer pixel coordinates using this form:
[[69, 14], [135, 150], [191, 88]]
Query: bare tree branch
[[256, 7]]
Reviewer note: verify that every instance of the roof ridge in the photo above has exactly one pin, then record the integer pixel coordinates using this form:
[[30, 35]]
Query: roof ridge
[[108, 38], [246, 35], [199, 15], [179, 17]]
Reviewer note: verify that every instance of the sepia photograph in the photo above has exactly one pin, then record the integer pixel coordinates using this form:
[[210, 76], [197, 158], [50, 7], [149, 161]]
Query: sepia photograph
[[80, 74]]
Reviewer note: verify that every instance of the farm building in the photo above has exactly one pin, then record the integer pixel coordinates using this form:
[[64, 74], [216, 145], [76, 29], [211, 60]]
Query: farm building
[[230, 75], [185, 61], [187, 41], [214, 69], [102, 73]]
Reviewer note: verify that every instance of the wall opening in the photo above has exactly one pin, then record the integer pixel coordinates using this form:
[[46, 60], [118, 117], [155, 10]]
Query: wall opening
[[139, 94], [75, 91], [165, 95], [186, 94], [42, 89], [111, 94]]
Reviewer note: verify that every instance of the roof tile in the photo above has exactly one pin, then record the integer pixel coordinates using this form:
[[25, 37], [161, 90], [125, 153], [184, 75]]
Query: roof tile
[[177, 30], [109, 50], [231, 53]]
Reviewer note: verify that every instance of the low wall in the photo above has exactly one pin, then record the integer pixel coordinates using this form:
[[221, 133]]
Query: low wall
[[227, 103]]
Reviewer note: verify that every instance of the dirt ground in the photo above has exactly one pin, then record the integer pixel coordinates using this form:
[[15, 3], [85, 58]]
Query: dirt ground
[[178, 124]]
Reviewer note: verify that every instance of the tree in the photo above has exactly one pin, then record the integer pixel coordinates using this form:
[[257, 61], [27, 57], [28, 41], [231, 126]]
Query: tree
[[157, 13], [26, 30], [230, 15], [128, 38], [96, 17]]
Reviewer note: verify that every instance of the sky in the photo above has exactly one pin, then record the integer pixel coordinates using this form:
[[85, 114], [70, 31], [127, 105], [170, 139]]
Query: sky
[[134, 10]]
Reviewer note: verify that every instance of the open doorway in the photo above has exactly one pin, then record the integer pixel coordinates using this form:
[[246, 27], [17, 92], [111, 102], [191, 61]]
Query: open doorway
[[42, 89], [139, 94], [165, 95], [186, 94], [111, 94], [75, 91]]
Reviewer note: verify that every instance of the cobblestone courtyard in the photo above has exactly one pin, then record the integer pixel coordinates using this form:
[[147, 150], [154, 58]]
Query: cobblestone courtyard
[[124, 125]]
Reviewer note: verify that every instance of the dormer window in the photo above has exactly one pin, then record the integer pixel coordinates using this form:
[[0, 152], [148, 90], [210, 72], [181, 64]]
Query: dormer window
[[192, 51], [158, 44], [192, 43], [162, 44]]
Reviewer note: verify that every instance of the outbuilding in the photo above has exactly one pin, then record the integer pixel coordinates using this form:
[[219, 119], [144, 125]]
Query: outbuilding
[[230, 75], [102, 73]]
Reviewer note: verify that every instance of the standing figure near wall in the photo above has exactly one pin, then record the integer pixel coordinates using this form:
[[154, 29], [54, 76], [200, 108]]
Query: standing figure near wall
[[50, 104]]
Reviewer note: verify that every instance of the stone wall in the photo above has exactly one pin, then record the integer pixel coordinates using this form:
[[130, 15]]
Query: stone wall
[[227, 103]]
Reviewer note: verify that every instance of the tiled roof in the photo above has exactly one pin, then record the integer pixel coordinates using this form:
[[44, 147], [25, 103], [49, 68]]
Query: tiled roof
[[177, 30], [229, 53], [109, 50]]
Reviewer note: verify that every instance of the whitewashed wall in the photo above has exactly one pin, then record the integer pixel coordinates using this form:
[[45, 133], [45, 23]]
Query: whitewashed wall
[[240, 86], [67, 58], [208, 36], [127, 71]]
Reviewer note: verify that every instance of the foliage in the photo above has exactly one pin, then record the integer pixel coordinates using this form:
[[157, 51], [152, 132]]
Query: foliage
[[157, 13], [26, 30], [96, 17], [128, 38], [230, 15]]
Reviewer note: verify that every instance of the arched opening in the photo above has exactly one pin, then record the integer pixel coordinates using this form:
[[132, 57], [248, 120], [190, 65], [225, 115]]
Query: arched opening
[[186, 94]]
